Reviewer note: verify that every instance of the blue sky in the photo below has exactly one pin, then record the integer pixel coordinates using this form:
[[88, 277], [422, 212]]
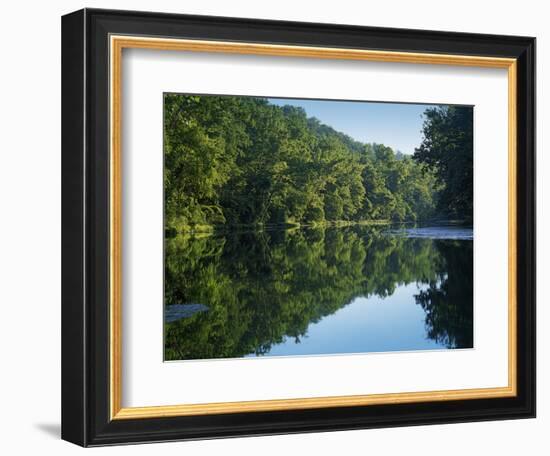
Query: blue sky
[[396, 125]]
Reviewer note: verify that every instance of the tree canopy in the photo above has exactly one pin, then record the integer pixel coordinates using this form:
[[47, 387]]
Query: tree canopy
[[447, 149], [242, 161]]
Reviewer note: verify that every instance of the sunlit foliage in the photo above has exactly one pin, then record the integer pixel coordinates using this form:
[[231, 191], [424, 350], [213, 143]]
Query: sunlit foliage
[[243, 161]]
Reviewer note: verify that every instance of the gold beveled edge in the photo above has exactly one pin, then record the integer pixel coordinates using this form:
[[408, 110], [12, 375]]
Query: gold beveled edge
[[115, 207], [512, 226], [164, 411], [235, 47], [116, 46]]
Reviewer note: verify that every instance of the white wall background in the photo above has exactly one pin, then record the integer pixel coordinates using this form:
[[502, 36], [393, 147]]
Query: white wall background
[[30, 193]]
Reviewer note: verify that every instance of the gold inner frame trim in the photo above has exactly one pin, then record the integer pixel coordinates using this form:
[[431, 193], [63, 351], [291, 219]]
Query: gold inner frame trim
[[117, 44]]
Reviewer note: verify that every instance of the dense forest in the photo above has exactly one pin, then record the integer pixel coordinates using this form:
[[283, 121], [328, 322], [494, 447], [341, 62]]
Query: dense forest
[[447, 149], [241, 161]]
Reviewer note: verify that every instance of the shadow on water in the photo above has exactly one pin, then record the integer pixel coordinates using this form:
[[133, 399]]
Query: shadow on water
[[261, 289]]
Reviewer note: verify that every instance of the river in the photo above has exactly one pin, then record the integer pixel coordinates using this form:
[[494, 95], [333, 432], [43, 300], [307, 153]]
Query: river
[[322, 291]]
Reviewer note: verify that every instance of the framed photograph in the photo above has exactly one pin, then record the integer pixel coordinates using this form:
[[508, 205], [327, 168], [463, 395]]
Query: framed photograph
[[279, 227]]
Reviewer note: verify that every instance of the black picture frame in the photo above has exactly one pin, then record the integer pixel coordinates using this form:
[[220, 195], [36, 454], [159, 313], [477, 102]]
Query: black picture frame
[[85, 228]]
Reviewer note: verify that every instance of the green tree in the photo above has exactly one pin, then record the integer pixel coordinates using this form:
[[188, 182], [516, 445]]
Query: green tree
[[233, 161], [447, 149]]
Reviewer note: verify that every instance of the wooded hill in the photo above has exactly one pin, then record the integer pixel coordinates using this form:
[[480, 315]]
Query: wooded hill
[[243, 161]]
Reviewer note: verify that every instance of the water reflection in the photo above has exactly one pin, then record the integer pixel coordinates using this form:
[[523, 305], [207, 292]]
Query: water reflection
[[316, 291]]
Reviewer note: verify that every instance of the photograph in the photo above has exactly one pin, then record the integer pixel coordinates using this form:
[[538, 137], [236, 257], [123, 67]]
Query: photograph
[[301, 227], [285, 225]]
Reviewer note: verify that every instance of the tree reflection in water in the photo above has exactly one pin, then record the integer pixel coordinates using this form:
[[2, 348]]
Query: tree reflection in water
[[264, 287]]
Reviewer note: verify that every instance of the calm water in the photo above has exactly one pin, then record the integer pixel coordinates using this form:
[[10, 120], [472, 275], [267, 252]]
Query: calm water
[[318, 291]]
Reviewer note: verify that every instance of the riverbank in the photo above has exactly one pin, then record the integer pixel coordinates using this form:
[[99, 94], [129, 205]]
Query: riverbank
[[205, 230], [208, 230]]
